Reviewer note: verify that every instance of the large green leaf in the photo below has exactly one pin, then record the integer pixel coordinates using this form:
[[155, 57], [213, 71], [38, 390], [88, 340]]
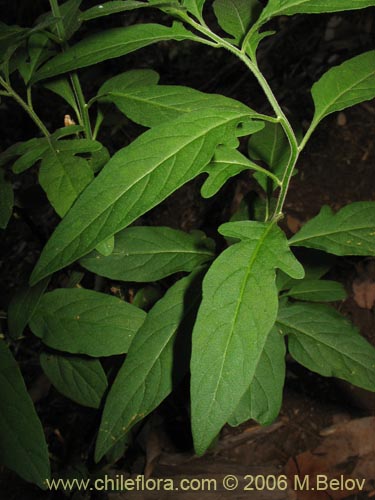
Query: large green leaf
[[82, 321], [109, 44], [158, 357], [6, 200], [151, 105], [82, 380], [290, 7], [136, 179], [327, 343], [22, 444], [350, 231], [238, 310], [315, 290], [108, 8], [262, 400], [350, 83], [271, 146], [63, 176], [235, 16], [150, 254], [131, 79], [22, 307]]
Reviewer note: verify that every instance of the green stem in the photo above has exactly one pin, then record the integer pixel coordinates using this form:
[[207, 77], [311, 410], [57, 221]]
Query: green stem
[[29, 110], [280, 116], [83, 115]]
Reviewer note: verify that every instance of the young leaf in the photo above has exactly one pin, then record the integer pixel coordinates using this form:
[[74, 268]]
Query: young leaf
[[22, 307], [150, 254], [350, 231], [6, 200], [271, 146], [82, 321], [317, 291], [81, 380], [262, 400], [226, 163], [238, 310], [158, 358], [289, 7], [23, 447], [350, 83], [327, 343], [152, 105], [29, 152], [195, 7], [235, 16], [109, 44], [136, 179], [63, 176], [108, 8]]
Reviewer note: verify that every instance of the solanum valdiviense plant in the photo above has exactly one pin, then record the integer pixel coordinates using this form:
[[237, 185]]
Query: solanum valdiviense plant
[[229, 317]]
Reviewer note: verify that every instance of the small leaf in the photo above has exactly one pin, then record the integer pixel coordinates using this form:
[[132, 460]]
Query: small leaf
[[327, 343], [136, 179], [109, 44], [290, 7], [195, 7], [158, 358], [29, 153], [37, 53], [350, 83], [81, 380], [22, 307], [150, 254], [238, 310], [6, 200], [23, 447], [62, 87], [235, 16], [271, 146], [317, 291], [82, 321], [262, 400], [108, 8], [105, 248], [152, 105], [63, 177], [351, 231]]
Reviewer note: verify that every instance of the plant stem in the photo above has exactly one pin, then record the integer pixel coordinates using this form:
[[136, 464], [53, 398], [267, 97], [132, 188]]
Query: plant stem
[[280, 116], [83, 116], [29, 110]]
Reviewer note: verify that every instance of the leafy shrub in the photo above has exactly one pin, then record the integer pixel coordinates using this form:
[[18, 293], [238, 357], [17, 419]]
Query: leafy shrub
[[229, 317]]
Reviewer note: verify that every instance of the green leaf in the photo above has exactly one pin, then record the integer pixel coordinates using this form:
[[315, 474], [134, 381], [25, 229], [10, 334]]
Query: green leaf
[[289, 7], [106, 247], [29, 152], [10, 38], [62, 87], [350, 83], [271, 146], [262, 400], [37, 53], [109, 44], [63, 176], [150, 254], [128, 80], [235, 16], [158, 358], [6, 200], [327, 343], [317, 291], [350, 231], [195, 7], [226, 163], [136, 179], [108, 8], [81, 380], [23, 447], [22, 307], [152, 105], [71, 17], [82, 321], [238, 310]]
